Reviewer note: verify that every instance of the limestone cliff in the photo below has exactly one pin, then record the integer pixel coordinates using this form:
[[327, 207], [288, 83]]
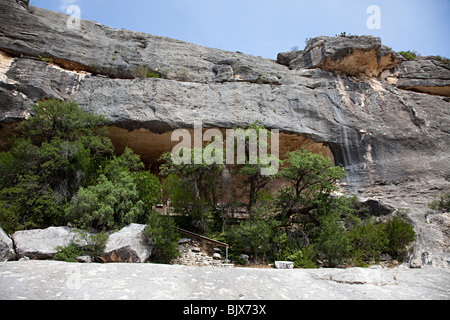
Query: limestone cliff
[[384, 119]]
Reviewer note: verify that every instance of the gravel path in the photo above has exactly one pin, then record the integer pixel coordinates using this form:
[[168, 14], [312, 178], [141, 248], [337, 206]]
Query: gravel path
[[50, 280]]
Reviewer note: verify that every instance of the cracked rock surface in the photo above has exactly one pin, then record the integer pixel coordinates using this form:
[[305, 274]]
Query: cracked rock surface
[[61, 281]]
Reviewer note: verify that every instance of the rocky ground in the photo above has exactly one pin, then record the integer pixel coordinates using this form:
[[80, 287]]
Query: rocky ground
[[50, 280]]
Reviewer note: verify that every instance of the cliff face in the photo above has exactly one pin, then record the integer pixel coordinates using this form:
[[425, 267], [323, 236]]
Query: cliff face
[[384, 119]]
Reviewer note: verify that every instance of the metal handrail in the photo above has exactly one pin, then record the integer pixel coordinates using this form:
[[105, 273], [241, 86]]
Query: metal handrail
[[191, 234]]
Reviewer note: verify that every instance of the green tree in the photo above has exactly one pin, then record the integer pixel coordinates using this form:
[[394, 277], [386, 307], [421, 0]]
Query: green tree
[[108, 204], [332, 242], [368, 240], [27, 205], [71, 145], [255, 235], [312, 179], [254, 182], [62, 146], [65, 120], [22, 159], [160, 230], [128, 161], [149, 189], [193, 188], [65, 163]]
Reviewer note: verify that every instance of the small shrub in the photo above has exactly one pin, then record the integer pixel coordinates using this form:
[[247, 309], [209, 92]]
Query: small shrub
[[255, 235], [151, 74], [95, 245], [441, 59], [108, 204], [69, 253], [144, 72], [344, 35], [399, 234], [304, 258], [408, 55], [443, 203], [48, 60]]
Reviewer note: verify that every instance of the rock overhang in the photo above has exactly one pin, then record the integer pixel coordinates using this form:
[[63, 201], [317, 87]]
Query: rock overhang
[[369, 125]]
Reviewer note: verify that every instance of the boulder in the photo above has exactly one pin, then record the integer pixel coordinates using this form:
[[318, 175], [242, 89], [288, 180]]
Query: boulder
[[244, 258], [378, 208], [184, 241], [129, 245], [42, 244], [353, 55], [285, 58], [6, 247], [84, 259]]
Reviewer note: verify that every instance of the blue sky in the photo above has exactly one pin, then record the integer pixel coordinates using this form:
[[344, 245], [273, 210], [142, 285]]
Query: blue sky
[[267, 27]]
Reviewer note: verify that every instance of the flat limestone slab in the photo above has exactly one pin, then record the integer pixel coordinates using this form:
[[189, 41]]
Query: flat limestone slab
[[284, 265], [52, 280]]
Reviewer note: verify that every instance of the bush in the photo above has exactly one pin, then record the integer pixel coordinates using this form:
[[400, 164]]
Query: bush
[[95, 246], [408, 55], [95, 243], [443, 203], [28, 205], [294, 245], [254, 236], [400, 234], [368, 241], [144, 72], [442, 59], [69, 253], [160, 231], [108, 204], [304, 258], [344, 35], [332, 242]]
